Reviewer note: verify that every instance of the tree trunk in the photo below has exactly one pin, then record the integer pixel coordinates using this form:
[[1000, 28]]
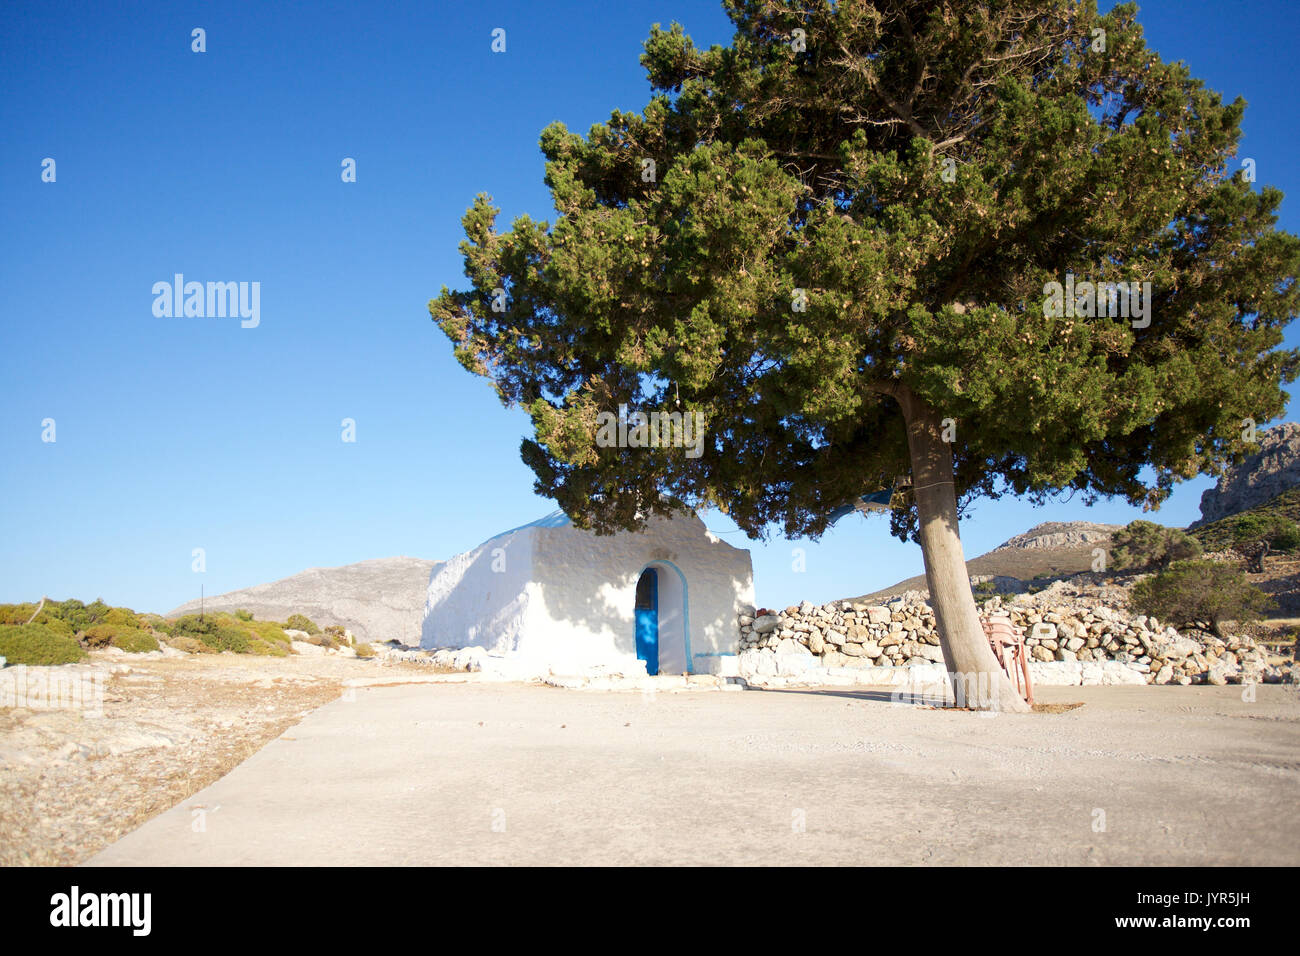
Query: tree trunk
[[978, 680]]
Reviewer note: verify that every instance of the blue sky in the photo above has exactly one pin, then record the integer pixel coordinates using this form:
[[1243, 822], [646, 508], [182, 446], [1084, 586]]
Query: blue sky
[[175, 434]]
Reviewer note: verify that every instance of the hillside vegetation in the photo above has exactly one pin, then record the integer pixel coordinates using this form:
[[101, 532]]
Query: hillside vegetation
[[63, 631], [1270, 519]]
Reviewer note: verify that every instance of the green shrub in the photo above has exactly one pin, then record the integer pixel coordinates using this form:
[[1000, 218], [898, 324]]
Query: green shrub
[[1200, 593], [1141, 545], [364, 650], [135, 641], [267, 648], [300, 622], [123, 617], [225, 638], [38, 645], [101, 635], [190, 645], [194, 625], [80, 617], [269, 631], [21, 614], [16, 613], [1251, 527], [244, 615]]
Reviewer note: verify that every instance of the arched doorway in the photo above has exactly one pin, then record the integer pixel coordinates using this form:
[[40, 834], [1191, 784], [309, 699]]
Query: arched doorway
[[647, 620], [662, 620]]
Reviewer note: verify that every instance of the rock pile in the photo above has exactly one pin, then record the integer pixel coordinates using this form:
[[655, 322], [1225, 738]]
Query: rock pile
[[1070, 636]]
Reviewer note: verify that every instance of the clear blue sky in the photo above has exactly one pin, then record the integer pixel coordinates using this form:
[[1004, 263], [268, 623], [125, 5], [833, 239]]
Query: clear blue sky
[[174, 433]]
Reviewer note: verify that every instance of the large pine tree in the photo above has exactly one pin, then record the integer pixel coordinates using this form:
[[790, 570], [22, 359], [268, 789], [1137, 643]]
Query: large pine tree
[[837, 237]]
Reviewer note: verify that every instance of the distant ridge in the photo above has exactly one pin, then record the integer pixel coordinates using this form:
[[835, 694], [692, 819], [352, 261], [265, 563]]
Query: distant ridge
[[1059, 534], [1047, 549], [378, 600]]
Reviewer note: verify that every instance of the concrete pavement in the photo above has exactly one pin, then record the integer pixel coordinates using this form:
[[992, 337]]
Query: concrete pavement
[[481, 773]]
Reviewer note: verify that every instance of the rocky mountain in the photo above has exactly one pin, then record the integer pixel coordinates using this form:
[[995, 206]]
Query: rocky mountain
[[378, 600], [1271, 470], [1060, 534], [1046, 550]]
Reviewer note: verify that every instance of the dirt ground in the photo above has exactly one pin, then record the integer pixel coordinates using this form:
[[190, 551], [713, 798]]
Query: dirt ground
[[70, 784]]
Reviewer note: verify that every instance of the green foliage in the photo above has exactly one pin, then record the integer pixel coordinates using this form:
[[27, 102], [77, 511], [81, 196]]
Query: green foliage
[[923, 220], [364, 650], [221, 632], [135, 640], [227, 638], [190, 645], [1140, 545], [37, 644], [257, 645], [195, 625], [80, 616], [1274, 521], [300, 622], [1252, 526], [22, 613], [269, 631], [101, 635], [244, 615], [123, 617], [68, 618], [1200, 592]]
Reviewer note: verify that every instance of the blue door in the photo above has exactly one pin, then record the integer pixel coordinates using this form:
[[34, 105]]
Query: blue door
[[647, 620]]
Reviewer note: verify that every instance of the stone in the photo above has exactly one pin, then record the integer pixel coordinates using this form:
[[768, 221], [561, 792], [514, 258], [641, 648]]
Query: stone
[[815, 642], [768, 622], [757, 664], [307, 650], [853, 650], [878, 614]]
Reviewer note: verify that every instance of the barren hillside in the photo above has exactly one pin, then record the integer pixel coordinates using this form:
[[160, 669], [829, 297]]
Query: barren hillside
[[379, 599]]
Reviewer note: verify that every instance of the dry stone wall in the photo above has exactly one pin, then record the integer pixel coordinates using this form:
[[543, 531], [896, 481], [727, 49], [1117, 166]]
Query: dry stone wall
[[1070, 637]]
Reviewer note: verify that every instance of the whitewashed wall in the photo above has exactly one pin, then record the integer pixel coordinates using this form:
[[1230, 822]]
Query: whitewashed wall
[[564, 600]]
